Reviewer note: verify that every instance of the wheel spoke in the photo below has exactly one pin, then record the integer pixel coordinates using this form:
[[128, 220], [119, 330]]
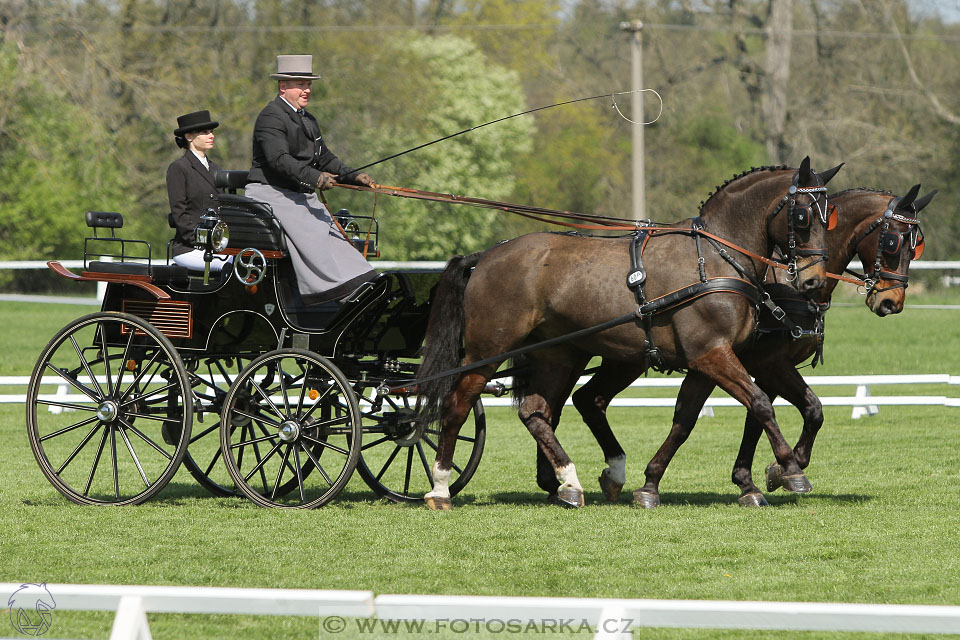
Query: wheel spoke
[[60, 432], [296, 461], [317, 402], [116, 466], [266, 396], [150, 416], [327, 445], [203, 433], [213, 463], [283, 392], [426, 465], [66, 405], [316, 463], [258, 418], [386, 464], [406, 476], [85, 364], [149, 441], [253, 441], [374, 443], [76, 383], [134, 384], [434, 447], [261, 462], [82, 444], [123, 359], [151, 396], [96, 461], [106, 360], [283, 463], [136, 460]]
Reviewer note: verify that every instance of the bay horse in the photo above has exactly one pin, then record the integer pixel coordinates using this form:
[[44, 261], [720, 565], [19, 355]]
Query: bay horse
[[880, 228], [545, 285]]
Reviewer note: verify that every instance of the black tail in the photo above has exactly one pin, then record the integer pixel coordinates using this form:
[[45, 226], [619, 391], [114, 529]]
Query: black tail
[[443, 344]]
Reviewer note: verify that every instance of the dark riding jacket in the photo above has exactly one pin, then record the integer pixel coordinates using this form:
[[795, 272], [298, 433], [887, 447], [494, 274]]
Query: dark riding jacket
[[191, 192], [289, 153]]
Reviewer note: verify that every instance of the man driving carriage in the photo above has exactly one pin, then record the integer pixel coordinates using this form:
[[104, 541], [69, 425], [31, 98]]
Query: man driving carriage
[[290, 161]]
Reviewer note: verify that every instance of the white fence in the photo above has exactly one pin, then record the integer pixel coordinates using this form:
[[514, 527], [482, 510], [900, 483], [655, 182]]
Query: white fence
[[339, 611], [862, 402]]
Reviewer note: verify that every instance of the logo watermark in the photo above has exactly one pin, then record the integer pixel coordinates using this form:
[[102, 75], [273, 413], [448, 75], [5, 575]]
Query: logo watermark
[[555, 627], [30, 609]]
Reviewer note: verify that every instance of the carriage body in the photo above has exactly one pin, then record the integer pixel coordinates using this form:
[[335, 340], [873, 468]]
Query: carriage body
[[283, 393]]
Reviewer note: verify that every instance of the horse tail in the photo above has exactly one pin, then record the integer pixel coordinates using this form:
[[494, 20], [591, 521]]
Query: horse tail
[[442, 348]]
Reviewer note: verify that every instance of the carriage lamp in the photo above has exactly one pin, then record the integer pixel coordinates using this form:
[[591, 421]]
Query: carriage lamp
[[212, 235]]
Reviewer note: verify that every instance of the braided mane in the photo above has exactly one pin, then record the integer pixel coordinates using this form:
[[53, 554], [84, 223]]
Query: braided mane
[[720, 188], [863, 190]]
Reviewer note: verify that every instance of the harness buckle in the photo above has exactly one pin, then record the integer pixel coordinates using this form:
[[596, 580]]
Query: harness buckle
[[796, 332]]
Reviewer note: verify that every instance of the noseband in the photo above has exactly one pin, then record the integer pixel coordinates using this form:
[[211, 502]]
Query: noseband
[[799, 218], [890, 243]]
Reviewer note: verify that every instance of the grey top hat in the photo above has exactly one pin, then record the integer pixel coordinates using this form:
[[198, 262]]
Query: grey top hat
[[294, 68]]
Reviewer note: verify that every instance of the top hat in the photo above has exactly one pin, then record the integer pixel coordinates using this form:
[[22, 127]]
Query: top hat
[[196, 121], [294, 68]]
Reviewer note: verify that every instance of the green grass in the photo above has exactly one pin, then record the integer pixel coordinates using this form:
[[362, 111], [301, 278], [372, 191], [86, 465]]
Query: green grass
[[880, 526]]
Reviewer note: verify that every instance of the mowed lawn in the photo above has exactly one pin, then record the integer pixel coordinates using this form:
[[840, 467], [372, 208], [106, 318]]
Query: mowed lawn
[[881, 526]]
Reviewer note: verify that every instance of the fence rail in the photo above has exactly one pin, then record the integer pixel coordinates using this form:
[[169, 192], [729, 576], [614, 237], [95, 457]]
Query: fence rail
[[862, 402], [610, 618]]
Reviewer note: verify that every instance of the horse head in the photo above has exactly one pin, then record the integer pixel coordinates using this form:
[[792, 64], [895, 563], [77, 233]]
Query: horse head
[[800, 232], [30, 607], [887, 247]]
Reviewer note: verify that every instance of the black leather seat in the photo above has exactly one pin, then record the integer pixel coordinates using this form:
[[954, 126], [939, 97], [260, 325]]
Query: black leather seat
[[159, 274]]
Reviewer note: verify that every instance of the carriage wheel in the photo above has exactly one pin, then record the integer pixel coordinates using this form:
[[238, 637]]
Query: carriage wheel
[[290, 430], [109, 425], [397, 458], [211, 379]]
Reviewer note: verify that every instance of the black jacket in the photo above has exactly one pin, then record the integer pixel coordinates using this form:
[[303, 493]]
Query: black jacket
[[191, 192], [291, 155]]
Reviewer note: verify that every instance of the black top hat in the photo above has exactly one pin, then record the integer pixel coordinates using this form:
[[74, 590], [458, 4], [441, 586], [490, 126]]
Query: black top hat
[[196, 121]]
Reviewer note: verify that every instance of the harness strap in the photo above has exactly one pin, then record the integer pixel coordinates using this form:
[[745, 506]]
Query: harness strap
[[697, 290]]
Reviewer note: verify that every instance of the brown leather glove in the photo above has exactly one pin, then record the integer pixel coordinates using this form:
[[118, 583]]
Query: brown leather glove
[[326, 181], [365, 179]]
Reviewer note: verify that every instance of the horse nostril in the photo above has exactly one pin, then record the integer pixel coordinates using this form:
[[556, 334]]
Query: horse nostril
[[887, 307], [811, 283]]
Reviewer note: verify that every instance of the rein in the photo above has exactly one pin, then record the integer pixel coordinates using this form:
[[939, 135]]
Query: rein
[[601, 222]]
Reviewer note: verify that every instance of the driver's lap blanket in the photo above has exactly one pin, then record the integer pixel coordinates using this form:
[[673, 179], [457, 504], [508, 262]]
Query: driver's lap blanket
[[327, 265]]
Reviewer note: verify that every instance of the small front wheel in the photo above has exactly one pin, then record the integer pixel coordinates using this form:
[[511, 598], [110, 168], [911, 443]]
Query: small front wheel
[[290, 430], [109, 410]]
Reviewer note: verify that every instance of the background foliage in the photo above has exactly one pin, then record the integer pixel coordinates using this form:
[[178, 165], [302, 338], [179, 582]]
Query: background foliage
[[90, 91]]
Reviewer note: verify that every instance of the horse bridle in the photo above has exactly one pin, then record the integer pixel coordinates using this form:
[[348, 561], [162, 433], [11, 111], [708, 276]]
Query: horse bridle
[[798, 217], [890, 243]]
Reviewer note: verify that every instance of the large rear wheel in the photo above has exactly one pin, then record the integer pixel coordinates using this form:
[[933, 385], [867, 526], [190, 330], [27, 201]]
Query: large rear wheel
[[290, 430], [109, 410]]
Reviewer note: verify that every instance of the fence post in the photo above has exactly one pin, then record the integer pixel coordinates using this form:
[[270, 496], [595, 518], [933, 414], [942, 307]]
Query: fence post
[[863, 391]]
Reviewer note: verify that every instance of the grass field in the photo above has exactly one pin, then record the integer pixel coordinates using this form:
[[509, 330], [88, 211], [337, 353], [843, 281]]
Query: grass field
[[880, 526]]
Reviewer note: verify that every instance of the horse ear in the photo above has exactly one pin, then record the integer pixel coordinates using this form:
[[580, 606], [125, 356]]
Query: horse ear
[[911, 195], [924, 201], [804, 172], [827, 175]]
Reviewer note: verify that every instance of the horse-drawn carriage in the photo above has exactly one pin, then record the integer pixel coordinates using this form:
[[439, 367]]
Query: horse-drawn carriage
[[232, 375]]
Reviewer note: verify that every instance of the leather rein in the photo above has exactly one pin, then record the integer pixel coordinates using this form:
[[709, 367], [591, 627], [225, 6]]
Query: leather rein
[[606, 223]]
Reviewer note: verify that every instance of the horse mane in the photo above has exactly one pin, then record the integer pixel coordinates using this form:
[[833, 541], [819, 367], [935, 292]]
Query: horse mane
[[718, 189], [863, 190]]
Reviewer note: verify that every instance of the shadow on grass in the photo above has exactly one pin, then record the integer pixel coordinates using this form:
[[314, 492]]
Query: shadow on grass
[[680, 498]]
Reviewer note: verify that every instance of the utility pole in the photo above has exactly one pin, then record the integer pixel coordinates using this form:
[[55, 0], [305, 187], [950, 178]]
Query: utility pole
[[639, 207]]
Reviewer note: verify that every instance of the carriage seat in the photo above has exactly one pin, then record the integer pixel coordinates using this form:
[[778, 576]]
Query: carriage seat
[[251, 223], [159, 274], [231, 180]]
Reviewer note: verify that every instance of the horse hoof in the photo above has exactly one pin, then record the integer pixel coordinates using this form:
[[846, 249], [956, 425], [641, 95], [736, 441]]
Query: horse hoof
[[437, 503], [566, 499], [752, 499], [796, 483], [646, 499], [610, 488], [774, 476]]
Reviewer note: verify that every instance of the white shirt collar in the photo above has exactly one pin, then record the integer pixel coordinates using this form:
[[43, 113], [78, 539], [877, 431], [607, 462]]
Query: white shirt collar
[[290, 105], [203, 159]]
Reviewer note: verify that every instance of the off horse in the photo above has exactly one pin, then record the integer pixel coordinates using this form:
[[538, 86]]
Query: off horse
[[562, 286], [880, 228]]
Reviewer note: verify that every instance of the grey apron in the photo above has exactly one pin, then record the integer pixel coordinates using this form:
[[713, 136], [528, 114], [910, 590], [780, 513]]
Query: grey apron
[[327, 265]]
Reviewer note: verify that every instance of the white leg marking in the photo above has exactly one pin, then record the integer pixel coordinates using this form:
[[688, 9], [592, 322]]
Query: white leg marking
[[617, 469], [567, 477], [441, 483]]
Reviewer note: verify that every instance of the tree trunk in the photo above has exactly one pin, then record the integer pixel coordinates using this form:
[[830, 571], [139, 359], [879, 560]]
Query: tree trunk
[[777, 78]]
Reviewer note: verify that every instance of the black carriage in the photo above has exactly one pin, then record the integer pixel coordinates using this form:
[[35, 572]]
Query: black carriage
[[233, 376]]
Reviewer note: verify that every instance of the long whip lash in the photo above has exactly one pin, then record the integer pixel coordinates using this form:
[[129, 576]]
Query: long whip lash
[[522, 113]]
